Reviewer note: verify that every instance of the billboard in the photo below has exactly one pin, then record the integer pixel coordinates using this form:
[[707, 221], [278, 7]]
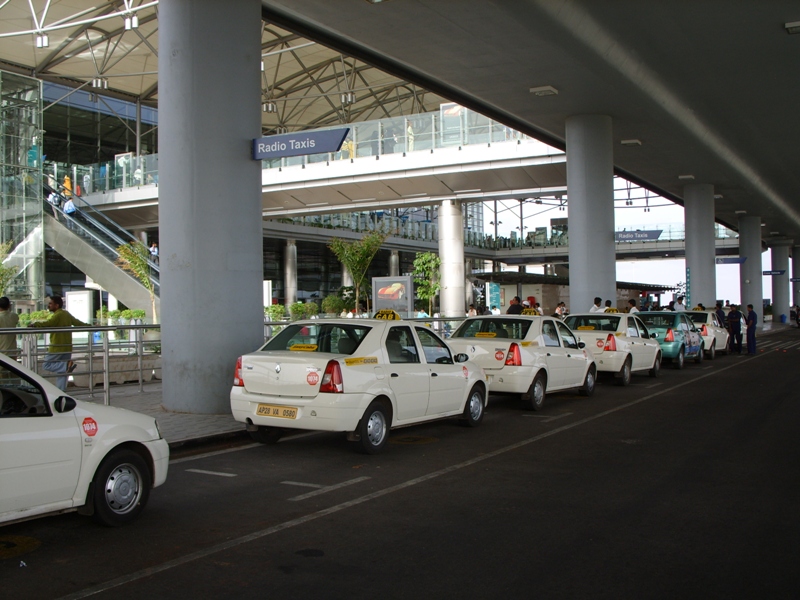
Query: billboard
[[394, 293]]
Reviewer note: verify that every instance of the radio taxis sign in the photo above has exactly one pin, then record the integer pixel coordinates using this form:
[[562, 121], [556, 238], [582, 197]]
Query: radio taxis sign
[[299, 143]]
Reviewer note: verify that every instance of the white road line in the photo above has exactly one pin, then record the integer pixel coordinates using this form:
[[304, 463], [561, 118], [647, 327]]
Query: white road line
[[217, 473], [301, 484], [215, 453], [795, 344], [328, 488], [256, 535], [652, 385], [547, 418]]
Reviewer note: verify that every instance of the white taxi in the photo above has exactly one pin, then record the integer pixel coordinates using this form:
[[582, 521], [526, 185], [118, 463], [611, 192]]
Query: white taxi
[[714, 333], [58, 454], [620, 343], [359, 376], [526, 355]]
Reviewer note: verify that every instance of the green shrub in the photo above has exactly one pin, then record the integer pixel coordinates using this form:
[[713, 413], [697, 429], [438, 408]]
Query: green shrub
[[297, 310], [126, 316], [310, 309], [332, 305], [275, 312], [139, 313]]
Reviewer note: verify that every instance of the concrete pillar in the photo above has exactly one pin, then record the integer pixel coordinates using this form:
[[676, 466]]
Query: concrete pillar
[[347, 278], [451, 252], [796, 275], [701, 271], [290, 273], [394, 263], [750, 270], [590, 189], [211, 242], [780, 283]]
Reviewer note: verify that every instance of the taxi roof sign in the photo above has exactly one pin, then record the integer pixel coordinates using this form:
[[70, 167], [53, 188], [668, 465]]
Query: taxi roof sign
[[530, 312], [387, 314]]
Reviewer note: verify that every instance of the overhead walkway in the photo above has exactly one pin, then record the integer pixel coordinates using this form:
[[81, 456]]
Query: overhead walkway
[[89, 241]]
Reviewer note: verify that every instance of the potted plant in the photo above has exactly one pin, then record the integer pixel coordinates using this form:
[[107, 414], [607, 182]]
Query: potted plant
[[310, 309], [332, 305], [297, 311], [275, 312]]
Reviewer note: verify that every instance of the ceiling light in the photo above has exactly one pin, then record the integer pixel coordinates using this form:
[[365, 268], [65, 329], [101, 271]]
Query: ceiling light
[[718, 196], [631, 142], [318, 204], [741, 212], [42, 41], [363, 200], [686, 177], [544, 90], [774, 232], [466, 191], [128, 24], [375, 1], [269, 107], [793, 27]]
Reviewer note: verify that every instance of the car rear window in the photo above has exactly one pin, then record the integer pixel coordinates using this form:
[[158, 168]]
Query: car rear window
[[515, 329], [333, 338], [658, 320], [698, 317], [596, 322]]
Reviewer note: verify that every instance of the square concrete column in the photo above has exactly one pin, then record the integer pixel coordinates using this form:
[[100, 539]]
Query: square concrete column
[[290, 273], [750, 286], [780, 283], [590, 191], [451, 253], [701, 271], [210, 197]]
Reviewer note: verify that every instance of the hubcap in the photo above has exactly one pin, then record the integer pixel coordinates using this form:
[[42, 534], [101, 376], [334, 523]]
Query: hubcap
[[475, 406], [589, 380], [123, 488], [376, 428], [538, 393]]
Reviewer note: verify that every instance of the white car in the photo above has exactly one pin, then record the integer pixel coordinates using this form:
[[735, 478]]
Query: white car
[[620, 342], [714, 333], [526, 355], [58, 454], [359, 376]]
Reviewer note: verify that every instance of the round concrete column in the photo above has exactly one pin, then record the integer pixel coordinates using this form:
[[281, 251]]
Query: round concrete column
[[701, 271], [451, 252], [347, 278], [590, 190], [796, 275], [750, 270], [394, 263], [780, 283], [290, 273], [211, 238]]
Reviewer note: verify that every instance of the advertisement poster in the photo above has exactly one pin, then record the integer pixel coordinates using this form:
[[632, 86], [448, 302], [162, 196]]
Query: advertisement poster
[[393, 293]]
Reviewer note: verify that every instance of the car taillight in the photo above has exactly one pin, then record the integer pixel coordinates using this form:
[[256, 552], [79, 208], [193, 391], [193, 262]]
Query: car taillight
[[513, 358], [669, 337], [704, 331], [237, 374], [332, 379], [611, 343]]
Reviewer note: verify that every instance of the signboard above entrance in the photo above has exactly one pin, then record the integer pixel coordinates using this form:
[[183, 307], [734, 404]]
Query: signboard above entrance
[[299, 143], [638, 236]]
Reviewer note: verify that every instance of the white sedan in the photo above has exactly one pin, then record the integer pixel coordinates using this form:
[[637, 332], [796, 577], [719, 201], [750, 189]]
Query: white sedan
[[58, 454], [714, 333], [363, 377], [526, 355], [620, 342]]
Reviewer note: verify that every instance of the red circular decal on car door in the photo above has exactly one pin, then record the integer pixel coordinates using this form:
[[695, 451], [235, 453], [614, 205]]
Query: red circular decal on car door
[[312, 378], [465, 370], [499, 355], [90, 426], [600, 343]]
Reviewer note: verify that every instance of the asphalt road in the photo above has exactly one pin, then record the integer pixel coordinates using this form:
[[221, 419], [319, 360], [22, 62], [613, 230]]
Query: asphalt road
[[682, 486]]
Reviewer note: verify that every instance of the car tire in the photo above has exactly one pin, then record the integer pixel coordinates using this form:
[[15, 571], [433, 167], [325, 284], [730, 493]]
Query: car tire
[[624, 376], [587, 389], [727, 349], [534, 399], [712, 352], [678, 361], [656, 368], [474, 408], [373, 429], [121, 488], [266, 435], [699, 358]]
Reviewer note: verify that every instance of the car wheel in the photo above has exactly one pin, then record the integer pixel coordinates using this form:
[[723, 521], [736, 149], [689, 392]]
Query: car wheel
[[699, 358], [624, 375], [266, 435], [712, 352], [726, 350], [121, 488], [474, 408], [373, 429], [677, 362], [656, 368], [587, 389], [537, 392]]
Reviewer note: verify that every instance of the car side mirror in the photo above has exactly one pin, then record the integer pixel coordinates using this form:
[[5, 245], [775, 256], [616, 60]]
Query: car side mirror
[[461, 357], [64, 404], [653, 335], [581, 345]]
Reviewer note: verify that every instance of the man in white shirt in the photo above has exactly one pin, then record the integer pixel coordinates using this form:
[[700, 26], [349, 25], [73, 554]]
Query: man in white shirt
[[596, 307], [679, 304], [632, 308]]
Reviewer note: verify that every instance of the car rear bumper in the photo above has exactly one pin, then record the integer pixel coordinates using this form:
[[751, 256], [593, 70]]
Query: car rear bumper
[[513, 380], [610, 362]]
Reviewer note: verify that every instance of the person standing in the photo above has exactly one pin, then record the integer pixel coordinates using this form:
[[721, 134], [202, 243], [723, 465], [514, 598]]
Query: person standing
[[596, 306], [67, 185], [59, 352], [632, 306], [679, 305], [720, 314], [608, 307], [735, 328], [8, 319], [472, 312], [514, 307], [495, 310], [752, 321], [154, 253]]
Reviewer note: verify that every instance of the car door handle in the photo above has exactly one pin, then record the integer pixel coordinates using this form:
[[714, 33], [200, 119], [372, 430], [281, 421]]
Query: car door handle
[[395, 375], [434, 374]]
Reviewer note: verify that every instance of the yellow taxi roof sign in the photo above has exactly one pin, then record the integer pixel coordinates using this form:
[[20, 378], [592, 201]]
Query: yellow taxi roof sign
[[387, 314]]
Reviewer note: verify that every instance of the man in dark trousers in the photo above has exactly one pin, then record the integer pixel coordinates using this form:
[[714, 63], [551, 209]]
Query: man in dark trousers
[[735, 328], [752, 321]]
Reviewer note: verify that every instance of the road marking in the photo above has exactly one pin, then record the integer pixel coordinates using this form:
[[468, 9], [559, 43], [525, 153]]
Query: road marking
[[257, 535], [327, 489], [301, 484], [548, 418], [652, 385], [217, 473], [215, 453]]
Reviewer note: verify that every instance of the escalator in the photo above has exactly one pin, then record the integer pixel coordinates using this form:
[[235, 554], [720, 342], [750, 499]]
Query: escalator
[[89, 240]]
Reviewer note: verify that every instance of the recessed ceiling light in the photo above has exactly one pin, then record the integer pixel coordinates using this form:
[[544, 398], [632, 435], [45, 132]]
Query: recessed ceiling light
[[741, 212], [375, 1], [793, 27], [774, 232], [318, 204], [686, 177], [631, 142], [466, 191], [718, 196], [544, 90]]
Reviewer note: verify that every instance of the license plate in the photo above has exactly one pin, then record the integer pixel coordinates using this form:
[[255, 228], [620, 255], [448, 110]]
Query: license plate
[[281, 412]]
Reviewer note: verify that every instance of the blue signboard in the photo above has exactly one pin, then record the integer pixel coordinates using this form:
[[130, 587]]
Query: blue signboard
[[731, 260], [794, 279], [299, 143], [781, 272], [638, 235]]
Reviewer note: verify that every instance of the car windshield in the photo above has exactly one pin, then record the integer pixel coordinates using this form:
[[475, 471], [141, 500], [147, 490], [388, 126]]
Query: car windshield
[[326, 337], [658, 320], [515, 329], [597, 322], [698, 317]]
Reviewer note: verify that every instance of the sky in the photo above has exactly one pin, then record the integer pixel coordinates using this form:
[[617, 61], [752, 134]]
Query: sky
[[662, 214]]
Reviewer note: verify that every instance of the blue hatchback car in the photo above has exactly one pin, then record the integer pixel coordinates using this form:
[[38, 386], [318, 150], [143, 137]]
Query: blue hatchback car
[[677, 335]]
